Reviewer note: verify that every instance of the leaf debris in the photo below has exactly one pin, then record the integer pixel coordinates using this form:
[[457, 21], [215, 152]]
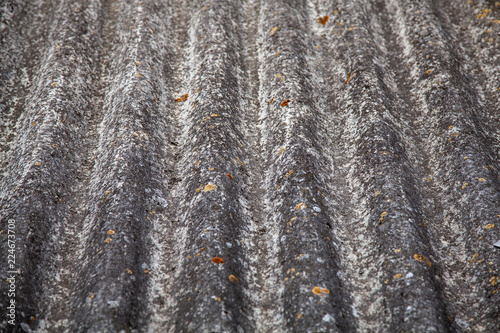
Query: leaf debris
[[421, 258], [217, 260], [323, 20]]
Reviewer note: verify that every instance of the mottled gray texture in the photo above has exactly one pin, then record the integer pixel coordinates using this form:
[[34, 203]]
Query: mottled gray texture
[[370, 202]]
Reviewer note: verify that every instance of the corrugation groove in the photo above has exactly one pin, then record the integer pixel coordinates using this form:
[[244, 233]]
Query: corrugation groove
[[250, 166], [126, 180]]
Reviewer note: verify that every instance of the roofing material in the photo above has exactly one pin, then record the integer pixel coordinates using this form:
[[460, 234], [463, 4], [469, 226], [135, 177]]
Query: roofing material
[[251, 166]]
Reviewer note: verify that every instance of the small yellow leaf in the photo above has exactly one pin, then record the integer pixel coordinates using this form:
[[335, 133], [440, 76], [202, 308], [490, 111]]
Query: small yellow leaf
[[209, 187], [489, 226], [382, 217], [300, 206], [494, 280], [233, 278], [474, 257], [397, 276], [316, 290], [421, 258], [273, 30], [110, 232]]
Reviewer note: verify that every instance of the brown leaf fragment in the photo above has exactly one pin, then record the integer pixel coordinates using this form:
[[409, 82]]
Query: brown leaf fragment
[[217, 260], [348, 78], [285, 102], [230, 177], [182, 98], [233, 278], [323, 20]]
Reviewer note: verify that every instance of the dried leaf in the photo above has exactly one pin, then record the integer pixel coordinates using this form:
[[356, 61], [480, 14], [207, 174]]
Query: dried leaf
[[209, 187], [421, 258], [323, 20], [348, 78], [316, 290], [382, 217], [300, 206], [217, 260], [285, 102]]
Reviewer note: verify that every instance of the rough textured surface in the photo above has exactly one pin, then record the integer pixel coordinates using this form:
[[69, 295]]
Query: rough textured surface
[[250, 166]]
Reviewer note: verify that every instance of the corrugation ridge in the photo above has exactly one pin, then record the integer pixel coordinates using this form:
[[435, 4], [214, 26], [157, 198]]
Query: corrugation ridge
[[39, 182], [126, 195], [388, 241], [212, 197], [305, 261], [462, 163]]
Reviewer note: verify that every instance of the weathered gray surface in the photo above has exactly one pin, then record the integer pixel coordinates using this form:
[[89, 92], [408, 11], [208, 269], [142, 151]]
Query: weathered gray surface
[[377, 183]]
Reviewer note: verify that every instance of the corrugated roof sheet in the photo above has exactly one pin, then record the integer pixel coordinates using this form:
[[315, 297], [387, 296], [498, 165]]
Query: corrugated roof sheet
[[250, 166]]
